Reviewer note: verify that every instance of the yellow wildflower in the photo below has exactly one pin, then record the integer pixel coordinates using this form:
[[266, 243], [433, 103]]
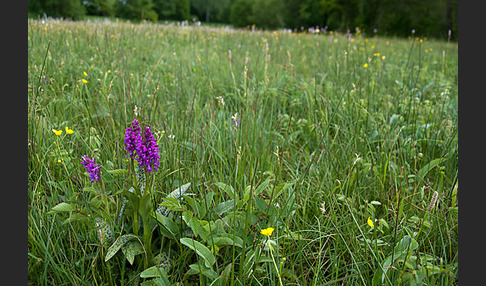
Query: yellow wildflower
[[84, 81], [69, 131], [376, 54], [370, 222], [85, 74], [365, 65], [57, 132], [267, 231], [383, 57]]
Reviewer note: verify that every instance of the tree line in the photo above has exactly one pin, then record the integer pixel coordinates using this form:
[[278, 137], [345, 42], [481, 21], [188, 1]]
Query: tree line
[[431, 18]]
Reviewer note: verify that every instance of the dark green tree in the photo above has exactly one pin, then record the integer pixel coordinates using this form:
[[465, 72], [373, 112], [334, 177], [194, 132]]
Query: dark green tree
[[241, 13], [57, 8], [166, 9], [312, 13], [268, 14], [138, 10], [216, 11], [101, 7], [291, 14], [183, 10]]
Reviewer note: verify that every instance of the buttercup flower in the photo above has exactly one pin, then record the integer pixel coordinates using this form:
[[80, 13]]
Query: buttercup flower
[[267, 231], [69, 131], [84, 81], [148, 151], [370, 222], [57, 132], [85, 74], [93, 169], [132, 138]]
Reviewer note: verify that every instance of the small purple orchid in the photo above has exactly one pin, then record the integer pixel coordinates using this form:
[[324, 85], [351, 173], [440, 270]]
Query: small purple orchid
[[148, 151], [93, 169], [132, 138]]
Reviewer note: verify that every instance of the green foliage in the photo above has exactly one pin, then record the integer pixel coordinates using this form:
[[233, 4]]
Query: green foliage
[[268, 14], [58, 8], [106, 8], [241, 14], [138, 10]]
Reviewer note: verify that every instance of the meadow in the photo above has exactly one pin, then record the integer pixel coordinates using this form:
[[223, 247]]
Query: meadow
[[285, 158]]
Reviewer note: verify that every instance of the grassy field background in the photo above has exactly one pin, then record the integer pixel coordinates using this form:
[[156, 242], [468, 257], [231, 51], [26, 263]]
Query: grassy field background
[[334, 133]]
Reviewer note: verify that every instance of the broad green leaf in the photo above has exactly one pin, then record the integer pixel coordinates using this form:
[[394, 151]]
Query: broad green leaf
[[153, 272], [118, 172], [169, 225], [227, 240], [261, 187], [119, 242], [172, 204], [406, 245], [200, 250], [75, 217], [206, 271], [161, 281], [145, 206], [260, 204], [194, 205], [429, 166], [90, 190], [225, 206], [198, 227], [225, 274], [131, 249], [229, 190], [179, 192], [134, 199], [62, 207]]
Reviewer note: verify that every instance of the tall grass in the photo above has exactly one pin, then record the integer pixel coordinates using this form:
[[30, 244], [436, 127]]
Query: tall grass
[[329, 141]]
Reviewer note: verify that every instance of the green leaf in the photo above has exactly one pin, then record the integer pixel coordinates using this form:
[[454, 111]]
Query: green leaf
[[169, 225], [154, 272], [172, 204], [229, 190], [429, 166], [227, 240], [225, 206], [161, 281], [131, 249], [197, 226], [405, 246], [119, 242], [118, 172], [200, 250], [134, 199], [62, 207], [206, 271], [225, 274], [90, 190], [261, 187], [145, 206], [75, 217], [260, 204], [179, 192]]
